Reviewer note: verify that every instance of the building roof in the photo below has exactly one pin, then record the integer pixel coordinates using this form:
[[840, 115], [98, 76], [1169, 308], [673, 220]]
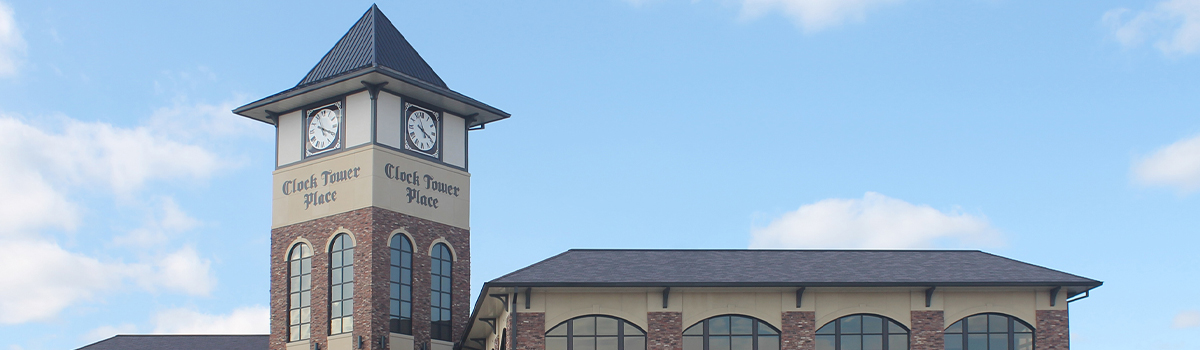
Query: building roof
[[813, 268], [181, 342], [372, 42]]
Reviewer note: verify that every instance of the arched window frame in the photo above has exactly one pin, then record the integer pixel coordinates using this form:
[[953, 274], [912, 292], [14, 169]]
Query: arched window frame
[[400, 296], [441, 268], [624, 335], [718, 333], [299, 292], [997, 329], [845, 334], [341, 284]]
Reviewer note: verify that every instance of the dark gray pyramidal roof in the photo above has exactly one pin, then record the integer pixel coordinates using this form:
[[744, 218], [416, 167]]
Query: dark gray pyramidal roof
[[373, 41], [181, 342], [583, 267]]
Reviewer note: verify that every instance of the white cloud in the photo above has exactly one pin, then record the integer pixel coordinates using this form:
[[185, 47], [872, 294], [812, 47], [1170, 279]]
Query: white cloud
[[1186, 319], [41, 279], [183, 271], [1173, 26], [172, 221], [12, 46], [105, 332], [41, 168], [1176, 165], [184, 120], [244, 320], [814, 15], [875, 221]]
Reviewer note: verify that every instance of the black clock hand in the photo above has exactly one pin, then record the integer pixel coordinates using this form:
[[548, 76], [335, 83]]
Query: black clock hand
[[422, 128]]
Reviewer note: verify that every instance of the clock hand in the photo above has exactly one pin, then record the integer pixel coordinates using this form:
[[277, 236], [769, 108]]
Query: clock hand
[[422, 128]]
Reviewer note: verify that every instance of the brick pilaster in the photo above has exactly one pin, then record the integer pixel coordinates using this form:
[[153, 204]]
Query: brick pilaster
[[665, 331], [1052, 331], [798, 329], [531, 331], [927, 332]]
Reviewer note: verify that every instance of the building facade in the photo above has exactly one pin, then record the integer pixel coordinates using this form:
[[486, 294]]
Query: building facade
[[776, 299]]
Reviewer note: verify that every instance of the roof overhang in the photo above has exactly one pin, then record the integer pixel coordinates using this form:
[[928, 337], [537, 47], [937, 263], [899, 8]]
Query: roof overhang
[[478, 113]]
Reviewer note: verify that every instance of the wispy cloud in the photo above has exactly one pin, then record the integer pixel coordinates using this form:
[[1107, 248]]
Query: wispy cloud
[[12, 45], [105, 332], [1177, 166], [875, 221], [244, 320], [1186, 319], [1173, 26], [43, 166], [814, 15]]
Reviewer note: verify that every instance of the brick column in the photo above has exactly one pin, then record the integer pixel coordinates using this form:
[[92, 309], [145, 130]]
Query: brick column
[[1052, 331], [665, 331], [798, 329], [927, 331], [531, 331]]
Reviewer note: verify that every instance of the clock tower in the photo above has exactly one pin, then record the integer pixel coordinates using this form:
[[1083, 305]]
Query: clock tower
[[370, 225]]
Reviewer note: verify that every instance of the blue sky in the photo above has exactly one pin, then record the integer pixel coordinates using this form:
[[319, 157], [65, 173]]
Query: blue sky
[[1064, 134]]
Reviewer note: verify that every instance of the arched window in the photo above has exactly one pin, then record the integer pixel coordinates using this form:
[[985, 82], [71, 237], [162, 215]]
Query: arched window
[[989, 332], [440, 265], [862, 332], [731, 332], [401, 278], [341, 285], [299, 292], [595, 333]]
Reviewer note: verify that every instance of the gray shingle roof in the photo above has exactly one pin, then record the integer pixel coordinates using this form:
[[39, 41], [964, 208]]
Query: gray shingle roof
[[578, 267], [372, 41], [181, 342]]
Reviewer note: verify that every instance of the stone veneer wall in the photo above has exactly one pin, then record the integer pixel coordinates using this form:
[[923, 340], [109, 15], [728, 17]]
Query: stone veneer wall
[[1052, 332], [665, 331], [927, 332], [371, 228], [531, 331], [798, 330]]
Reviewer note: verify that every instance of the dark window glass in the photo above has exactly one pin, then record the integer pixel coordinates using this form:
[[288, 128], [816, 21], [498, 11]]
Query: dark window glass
[[299, 287], [989, 332], [341, 285], [595, 333], [400, 310], [441, 263], [862, 332], [731, 332]]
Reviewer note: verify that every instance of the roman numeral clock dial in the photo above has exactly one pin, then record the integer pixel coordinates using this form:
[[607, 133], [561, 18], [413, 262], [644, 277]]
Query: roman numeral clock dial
[[324, 126], [421, 131]]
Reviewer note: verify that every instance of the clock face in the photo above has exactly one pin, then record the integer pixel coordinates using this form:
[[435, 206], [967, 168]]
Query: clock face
[[323, 127], [422, 131]]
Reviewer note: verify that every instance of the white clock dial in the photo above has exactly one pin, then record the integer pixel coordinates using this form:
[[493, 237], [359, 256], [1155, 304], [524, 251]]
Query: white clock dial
[[422, 130], [323, 129]]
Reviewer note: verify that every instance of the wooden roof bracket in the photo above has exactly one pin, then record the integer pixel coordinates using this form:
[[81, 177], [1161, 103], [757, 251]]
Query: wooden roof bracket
[[1054, 295], [799, 296], [929, 296]]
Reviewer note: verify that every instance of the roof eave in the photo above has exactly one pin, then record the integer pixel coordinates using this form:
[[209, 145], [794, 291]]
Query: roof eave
[[479, 112]]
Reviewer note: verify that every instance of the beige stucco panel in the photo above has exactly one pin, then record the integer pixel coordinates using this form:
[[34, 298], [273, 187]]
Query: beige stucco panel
[[560, 307], [369, 186], [440, 345], [700, 305], [1019, 304], [289, 140], [833, 305], [341, 342], [358, 119], [454, 144], [397, 341], [452, 208], [388, 127], [288, 206], [299, 345]]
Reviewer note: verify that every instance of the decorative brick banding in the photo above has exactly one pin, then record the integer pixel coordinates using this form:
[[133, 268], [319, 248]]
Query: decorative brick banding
[[1051, 332], [531, 331], [927, 331], [371, 228], [665, 331], [797, 331]]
